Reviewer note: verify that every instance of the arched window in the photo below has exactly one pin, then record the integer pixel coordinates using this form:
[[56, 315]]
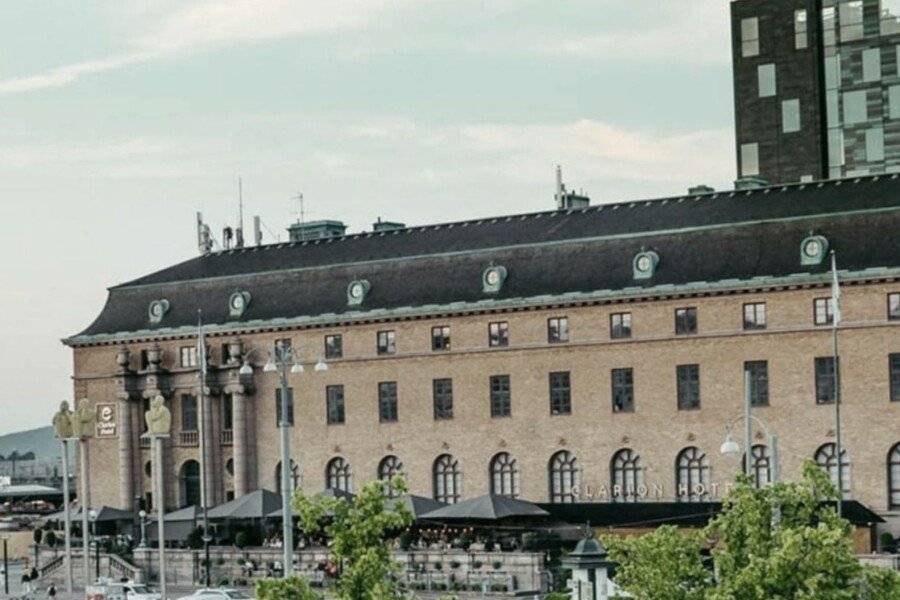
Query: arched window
[[387, 469], [565, 478], [295, 476], [446, 479], [338, 475], [692, 475], [189, 482], [894, 477], [826, 458], [504, 476], [760, 465], [627, 476]]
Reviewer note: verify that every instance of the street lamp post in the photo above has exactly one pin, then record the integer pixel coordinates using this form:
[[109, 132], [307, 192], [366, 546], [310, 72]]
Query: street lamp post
[[5, 569], [93, 515], [283, 362], [143, 517]]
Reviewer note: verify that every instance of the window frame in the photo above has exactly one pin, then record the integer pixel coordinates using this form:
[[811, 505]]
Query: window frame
[[759, 383], [749, 36], [500, 399], [442, 398], [334, 346], [558, 330], [801, 29], [560, 395], [621, 330], [692, 468], [622, 390], [893, 315], [504, 475], [445, 470], [500, 338], [389, 347], [893, 477], [684, 324], [290, 409], [339, 475], [824, 370], [688, 386], [754, 323], [388, 409], [184, 412], [563, 478], [389, 467], [894, 376], [828, 308], [626, 473], [187, 357], [825, 458], [440, 338], [335, 405]]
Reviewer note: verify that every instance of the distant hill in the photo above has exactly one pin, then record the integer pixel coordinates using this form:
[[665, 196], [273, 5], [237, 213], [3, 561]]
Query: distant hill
[[41, 441]]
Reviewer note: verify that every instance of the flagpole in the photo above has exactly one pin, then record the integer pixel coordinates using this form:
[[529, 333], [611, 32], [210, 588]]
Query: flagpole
[[201, 359], [835, 321]]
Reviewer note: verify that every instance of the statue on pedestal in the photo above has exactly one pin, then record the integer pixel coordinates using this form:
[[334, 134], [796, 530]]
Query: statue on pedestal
[[62, 421], [84, 420], [159, 419]]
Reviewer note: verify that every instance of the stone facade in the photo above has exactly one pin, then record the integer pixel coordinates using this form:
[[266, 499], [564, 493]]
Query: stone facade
[[656, 429]]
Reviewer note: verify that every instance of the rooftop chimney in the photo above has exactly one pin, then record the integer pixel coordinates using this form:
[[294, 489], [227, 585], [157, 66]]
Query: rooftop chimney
[[700, 189]]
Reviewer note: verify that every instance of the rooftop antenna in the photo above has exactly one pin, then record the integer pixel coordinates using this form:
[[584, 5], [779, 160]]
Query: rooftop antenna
[[299, 198], [560, 188], [239, 232]]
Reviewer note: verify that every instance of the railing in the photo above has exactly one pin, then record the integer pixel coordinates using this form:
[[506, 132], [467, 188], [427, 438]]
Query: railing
[[52, 566], [227, 436], [887, 561], [188, 438]]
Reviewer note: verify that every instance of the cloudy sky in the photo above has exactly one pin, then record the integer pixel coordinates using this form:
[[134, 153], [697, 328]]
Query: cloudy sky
[[119, 120]]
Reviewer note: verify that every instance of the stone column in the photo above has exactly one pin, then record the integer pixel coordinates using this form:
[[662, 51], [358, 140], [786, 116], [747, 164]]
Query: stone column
[[239, 442], [126, 453], [205, 442]]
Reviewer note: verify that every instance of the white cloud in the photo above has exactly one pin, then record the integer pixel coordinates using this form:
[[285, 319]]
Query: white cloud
[[215, 23]]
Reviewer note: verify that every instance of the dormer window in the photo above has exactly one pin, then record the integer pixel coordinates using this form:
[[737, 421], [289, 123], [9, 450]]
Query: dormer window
[[492, 279], [357, 291], [813, 250], [157, 310], [644, 264], [238, 303]]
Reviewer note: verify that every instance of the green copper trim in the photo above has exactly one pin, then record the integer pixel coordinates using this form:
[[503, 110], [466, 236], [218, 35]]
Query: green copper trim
[[491, 249], [491, 304]]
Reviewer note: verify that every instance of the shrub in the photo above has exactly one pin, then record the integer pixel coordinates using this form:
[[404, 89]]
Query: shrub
[[455, 564], [887, 542], [477, 564], [242, 539], [557, 596], [50, 539], [38, 535], [438, 566], [195, 538], [497, 565], [292, 588]]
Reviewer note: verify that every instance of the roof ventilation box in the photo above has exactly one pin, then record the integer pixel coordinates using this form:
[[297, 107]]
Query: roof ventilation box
[[316, 230], [380, 225], [750, 183]]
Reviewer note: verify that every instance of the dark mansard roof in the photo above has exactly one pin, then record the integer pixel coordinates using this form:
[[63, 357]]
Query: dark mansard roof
[[725, 238]]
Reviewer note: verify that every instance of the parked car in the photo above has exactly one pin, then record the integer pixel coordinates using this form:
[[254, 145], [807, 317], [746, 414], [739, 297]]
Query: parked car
[[217, 594], [127, 590]]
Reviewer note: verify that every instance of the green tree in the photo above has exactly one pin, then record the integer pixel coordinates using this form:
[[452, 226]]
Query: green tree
[[666, 563], [776, 543], [361, 532], [290, 588]]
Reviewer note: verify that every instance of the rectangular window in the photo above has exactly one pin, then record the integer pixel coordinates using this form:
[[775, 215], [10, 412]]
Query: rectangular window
[[894, 361], [560, 393], [750, 37], [622, 390], [290, 407], [875, 144], [829, 35], [893, 307], [189, 420], [685, 321], [871, 59], [894, 102], [757, 373], [501, 396], [558, 330], [688, 377], [283, 347], [755, 315], [890, 17], [145, 360], [836, 155], [334, 346], [498, 334], [801, 40], [851, 20], [832, 71], [766, 76], [620, 326], [749, 159], [387, 401], [440, 337], [386, 344], [790, 116], [334, 404], [823, 311], [227, 411], [825, 380], [855, 109], [443, 398], [188, 356]]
